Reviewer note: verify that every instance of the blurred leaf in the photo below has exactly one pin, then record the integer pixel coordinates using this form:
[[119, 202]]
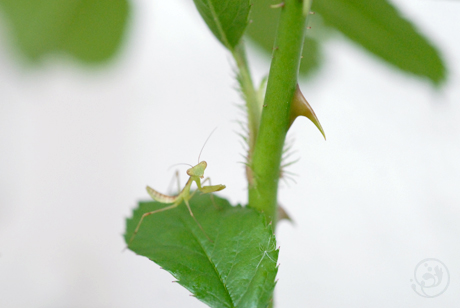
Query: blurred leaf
[[262, 30], [378, 27], [311, 58], [237, 269], [227, 19], [90, 30]]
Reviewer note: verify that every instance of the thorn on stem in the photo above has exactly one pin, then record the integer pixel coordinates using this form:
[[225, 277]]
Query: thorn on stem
[[282, 214], [301, 107]]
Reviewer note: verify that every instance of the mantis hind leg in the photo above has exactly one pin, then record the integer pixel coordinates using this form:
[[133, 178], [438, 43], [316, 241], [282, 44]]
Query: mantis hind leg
[[193, 216], [150, 213], [175, 178]]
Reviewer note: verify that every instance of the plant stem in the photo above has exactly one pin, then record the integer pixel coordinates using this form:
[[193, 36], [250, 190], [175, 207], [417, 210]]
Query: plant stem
[[253, 106], [282, 81]]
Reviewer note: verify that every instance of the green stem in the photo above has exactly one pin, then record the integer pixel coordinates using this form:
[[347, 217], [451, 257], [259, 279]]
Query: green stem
[[281, 85]]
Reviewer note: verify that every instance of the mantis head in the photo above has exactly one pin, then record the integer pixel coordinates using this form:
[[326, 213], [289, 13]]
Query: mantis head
[[198, 170]]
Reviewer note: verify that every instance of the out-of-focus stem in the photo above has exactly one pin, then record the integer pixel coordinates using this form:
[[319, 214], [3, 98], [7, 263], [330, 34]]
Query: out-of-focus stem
[[253, 105]]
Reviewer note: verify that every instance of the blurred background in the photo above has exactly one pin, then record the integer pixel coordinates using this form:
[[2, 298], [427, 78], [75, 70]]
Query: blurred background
[[80, 140]]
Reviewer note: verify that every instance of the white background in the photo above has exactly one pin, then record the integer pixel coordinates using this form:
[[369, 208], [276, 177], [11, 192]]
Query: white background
[[78, 145]]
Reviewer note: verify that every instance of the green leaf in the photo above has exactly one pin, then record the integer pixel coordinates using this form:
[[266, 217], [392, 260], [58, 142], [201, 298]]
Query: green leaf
[[262, 31], [227, 19], [377, 26], [236, 269], [89, 30]]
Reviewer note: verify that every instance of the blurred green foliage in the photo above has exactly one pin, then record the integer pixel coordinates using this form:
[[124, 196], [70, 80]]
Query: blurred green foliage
[[377, 26], [92, 30], [89, 30], [373, 24]]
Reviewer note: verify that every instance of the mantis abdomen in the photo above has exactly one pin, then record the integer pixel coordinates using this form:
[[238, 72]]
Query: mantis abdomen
[[158, 196]]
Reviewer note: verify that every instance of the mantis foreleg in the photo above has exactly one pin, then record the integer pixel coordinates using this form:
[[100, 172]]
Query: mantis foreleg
[[208, 189], [204, 190]]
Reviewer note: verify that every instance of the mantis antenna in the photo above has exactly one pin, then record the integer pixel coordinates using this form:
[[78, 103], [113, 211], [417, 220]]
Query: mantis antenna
[[206, 142], [179, 164]]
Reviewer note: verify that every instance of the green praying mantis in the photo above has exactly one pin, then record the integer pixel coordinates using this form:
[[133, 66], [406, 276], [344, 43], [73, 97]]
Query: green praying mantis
[[195, 173]]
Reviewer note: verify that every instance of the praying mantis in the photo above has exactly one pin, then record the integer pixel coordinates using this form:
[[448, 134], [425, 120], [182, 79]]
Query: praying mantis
[[195, 173]]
